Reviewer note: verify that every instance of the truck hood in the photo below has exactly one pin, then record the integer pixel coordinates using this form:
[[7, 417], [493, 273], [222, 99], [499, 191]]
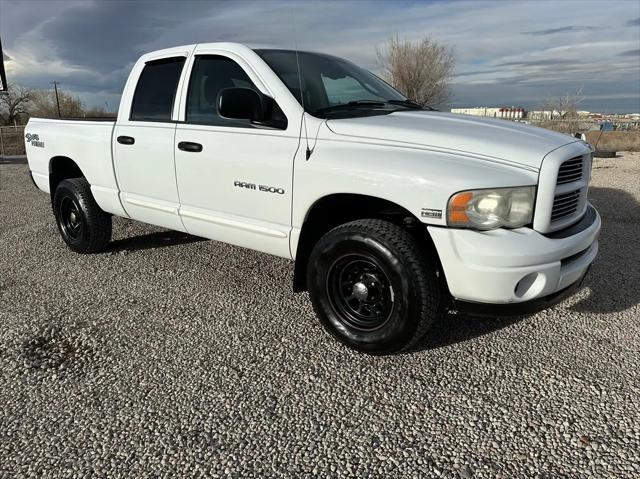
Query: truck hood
[[493, 139]]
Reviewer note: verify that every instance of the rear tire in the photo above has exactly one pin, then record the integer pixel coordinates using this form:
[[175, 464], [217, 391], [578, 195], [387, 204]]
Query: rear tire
[[84, 227], [373, 287]]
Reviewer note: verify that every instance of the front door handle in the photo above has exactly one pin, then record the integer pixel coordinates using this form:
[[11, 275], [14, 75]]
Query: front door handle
[[126, 140], [190, 146]]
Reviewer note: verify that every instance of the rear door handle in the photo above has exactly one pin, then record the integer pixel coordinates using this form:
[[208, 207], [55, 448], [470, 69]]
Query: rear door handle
[[126, 140], [190, 146]]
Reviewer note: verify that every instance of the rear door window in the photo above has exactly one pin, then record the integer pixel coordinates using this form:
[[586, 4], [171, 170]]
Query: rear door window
[[156, 90]]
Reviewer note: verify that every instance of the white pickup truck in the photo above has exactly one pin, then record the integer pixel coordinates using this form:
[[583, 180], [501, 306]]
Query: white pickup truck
[[391, 211]]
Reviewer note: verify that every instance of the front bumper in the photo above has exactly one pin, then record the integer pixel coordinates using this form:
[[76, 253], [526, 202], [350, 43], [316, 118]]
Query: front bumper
[[518, 309], [508, 267]]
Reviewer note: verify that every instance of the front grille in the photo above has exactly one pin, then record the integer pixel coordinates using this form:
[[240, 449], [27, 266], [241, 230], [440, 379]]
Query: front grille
[[570, 171], [562, 189], [565, 205]]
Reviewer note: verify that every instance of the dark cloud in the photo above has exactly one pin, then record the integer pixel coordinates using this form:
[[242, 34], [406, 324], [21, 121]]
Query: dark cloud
[[6, 57], [634, 23], [631, 53], [536, 63], [568, 28], [102, 40], [478, 72], [106, 35]]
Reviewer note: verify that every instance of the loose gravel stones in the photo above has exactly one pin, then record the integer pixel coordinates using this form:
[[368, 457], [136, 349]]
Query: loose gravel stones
[[167, 356], [51, 349]]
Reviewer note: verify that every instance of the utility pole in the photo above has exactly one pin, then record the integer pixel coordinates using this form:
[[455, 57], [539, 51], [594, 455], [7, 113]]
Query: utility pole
[[55, 87]]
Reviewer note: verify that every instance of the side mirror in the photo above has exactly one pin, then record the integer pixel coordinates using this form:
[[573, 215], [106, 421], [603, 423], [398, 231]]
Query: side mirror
[[240, 104]]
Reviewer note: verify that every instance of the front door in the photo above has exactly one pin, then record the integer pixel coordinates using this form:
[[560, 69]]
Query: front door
[[234, 177], [143, 147]]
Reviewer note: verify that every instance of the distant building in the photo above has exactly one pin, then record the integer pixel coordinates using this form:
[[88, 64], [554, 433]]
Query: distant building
[[586, 120], [512, 113], [543, 114], [476, 111], [519, 113]]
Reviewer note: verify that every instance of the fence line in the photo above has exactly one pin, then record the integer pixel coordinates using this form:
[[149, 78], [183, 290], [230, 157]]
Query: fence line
[[12, 141], [584, 125], [575, 125]]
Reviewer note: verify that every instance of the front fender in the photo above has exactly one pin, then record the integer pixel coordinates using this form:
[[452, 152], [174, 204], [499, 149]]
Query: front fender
[[417, 179]]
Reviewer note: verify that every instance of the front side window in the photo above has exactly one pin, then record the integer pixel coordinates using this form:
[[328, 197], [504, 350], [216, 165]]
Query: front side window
[[156, 90], [211, 74]]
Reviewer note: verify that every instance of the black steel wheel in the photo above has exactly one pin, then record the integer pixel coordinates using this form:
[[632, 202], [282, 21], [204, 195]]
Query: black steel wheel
[[360, 291], [373, 286], [84, 227], [70, 218]]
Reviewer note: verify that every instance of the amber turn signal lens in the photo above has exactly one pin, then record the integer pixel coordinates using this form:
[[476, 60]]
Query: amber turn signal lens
[[458, 207], [461, 199]]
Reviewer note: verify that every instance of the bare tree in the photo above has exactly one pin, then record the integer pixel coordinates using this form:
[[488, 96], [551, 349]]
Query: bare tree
[[563, 107], [421, 70], [98, 111], [561, 113], [43, 104], [14, 104], [19, 103]]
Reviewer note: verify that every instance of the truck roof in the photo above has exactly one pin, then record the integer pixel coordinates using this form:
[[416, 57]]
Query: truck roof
[[228, 46]]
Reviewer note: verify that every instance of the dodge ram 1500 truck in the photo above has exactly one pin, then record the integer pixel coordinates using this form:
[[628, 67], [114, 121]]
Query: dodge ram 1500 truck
[[392, 212]]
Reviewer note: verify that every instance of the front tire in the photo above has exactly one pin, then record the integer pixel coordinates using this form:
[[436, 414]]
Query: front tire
[[84, 227], [373, 286]]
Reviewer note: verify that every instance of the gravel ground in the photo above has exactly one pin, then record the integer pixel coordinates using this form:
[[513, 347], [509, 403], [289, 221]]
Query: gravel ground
[[168, 356]]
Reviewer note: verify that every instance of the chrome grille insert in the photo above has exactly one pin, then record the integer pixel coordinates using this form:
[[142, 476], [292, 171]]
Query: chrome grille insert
[[570, 171]]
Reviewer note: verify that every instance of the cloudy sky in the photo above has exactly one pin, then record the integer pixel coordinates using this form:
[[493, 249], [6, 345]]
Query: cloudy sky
[[508, 52]]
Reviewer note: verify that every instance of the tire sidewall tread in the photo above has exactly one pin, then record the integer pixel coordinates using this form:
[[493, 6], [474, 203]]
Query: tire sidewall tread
[[96, 223], [418, 295]]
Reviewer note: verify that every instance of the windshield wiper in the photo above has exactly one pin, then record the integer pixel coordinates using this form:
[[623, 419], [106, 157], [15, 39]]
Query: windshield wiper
[[410, 104], [351, 104], [372, 103]]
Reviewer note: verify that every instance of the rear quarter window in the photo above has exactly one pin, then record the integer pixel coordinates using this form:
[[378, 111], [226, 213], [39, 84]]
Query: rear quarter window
[[156, 90]]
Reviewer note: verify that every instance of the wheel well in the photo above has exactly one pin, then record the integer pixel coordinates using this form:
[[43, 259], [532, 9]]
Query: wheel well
[[62, 168], [333, 210]]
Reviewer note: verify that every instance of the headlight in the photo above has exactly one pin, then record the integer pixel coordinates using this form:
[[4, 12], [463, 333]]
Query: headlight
[[492, 208]]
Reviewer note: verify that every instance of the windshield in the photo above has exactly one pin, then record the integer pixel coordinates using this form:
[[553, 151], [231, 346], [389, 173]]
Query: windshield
[[333, 86]]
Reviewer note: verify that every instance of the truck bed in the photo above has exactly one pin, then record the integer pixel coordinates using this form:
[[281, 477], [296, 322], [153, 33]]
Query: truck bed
[[86, 141]]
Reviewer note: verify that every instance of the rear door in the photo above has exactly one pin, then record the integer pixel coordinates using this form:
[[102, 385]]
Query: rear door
[[143, 141], [237, 186]]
